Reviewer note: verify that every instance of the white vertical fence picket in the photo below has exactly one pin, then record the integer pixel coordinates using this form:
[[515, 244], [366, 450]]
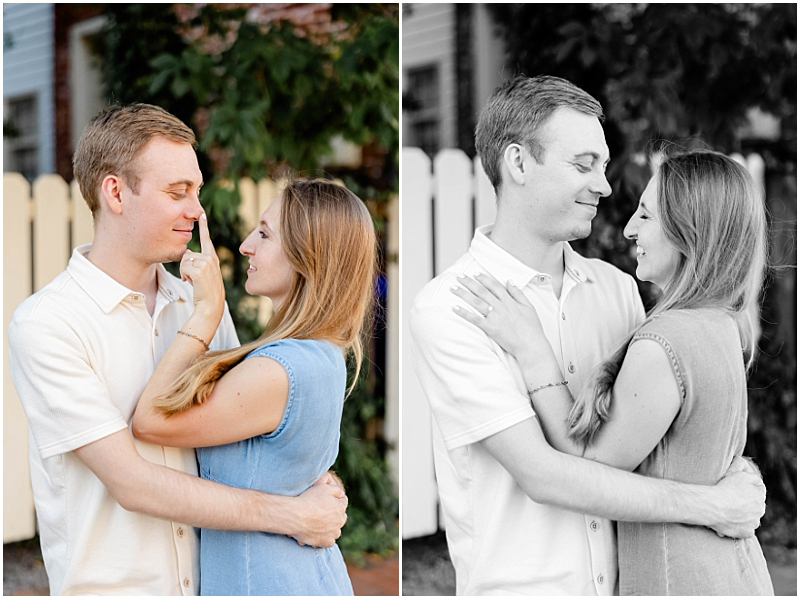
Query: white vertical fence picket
[[50, 228], [19, 521], [452, 190], [420, 498]]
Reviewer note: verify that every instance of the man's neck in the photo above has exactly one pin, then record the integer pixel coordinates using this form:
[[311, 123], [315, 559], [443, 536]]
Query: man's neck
[[542, 255], [125, 269]]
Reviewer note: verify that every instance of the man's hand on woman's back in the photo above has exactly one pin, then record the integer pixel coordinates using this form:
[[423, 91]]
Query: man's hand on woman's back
[[743, 496]]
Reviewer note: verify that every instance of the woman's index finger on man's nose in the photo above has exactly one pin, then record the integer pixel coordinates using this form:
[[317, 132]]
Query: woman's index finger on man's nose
[[206, 246]]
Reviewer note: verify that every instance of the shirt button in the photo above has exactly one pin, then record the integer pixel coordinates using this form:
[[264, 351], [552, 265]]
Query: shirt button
[[563, 316], [186, 582], [594, 525], [136, 298], [600, 579], [156, 332], [571, 368], [180, 532]]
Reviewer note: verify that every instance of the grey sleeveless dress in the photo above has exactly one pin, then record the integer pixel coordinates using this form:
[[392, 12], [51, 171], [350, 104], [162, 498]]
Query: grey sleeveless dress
[[708, 432]]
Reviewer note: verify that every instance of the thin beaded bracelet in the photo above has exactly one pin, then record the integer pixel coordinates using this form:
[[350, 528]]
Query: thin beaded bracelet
[[195, 337], [530, 393]]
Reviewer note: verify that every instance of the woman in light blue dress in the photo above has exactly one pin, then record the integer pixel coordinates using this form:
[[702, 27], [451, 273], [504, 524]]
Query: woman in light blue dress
[[672, 401], [267, 415]]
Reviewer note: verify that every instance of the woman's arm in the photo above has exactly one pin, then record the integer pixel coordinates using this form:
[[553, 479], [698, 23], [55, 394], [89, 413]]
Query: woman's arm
[[645, 396], [248, 400], [645, 400]]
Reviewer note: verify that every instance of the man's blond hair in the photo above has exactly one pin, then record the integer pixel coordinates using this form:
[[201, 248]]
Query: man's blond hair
[[114, 139]]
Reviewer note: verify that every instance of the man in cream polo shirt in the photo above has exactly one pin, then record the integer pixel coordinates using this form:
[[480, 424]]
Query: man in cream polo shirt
[[117, 515], [514, 507]]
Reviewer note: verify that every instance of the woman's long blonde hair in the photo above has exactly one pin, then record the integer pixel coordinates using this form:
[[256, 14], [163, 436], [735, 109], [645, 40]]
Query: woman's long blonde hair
[[712, 212], [329, 239]]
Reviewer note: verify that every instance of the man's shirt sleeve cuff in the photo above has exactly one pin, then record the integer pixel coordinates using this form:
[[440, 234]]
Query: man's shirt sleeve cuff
[[488, 429]]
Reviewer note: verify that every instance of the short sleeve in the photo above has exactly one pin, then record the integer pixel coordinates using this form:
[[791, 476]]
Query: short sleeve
[[472, 394], [671, 356], [66, 403], [317, 377], [276, 351]]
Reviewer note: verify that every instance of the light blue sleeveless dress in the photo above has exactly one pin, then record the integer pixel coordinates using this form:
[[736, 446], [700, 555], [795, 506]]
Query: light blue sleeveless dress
[[708, 432], [285, 462]]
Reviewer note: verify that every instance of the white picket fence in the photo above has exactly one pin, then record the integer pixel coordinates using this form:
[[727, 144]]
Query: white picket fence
[[41, 226], [437, 209], [438, 204]]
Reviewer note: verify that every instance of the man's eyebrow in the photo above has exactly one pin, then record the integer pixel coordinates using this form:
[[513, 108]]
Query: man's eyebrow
[[594, 155], [187, 182]]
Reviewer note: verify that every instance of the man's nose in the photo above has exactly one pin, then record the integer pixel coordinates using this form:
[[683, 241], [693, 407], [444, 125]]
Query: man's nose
[[195, 209], [601, 186]]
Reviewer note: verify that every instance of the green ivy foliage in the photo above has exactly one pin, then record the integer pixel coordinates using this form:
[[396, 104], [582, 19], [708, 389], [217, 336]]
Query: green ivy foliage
[[264, 99], [372, 528], [687, 74]]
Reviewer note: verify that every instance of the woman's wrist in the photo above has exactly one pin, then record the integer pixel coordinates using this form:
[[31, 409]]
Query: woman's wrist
[[203, 322], [205, 313], [540, 369]]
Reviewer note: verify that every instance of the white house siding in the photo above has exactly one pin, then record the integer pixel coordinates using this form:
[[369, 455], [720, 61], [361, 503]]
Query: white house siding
[[489, 56], [428, 36], [28, 58]]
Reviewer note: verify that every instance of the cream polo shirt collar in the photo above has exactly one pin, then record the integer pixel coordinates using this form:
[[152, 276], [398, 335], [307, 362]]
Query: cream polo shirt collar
[[505, 267], [107, 292]]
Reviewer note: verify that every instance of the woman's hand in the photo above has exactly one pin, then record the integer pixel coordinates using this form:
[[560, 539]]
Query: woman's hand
[[504, 313], [203, 272]]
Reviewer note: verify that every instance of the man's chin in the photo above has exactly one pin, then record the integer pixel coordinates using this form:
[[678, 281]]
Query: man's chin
[[581, 231], [175, 256]]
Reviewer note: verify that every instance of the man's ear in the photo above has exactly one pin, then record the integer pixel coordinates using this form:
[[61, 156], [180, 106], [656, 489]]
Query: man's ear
[[514, 161], [111, 192]]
